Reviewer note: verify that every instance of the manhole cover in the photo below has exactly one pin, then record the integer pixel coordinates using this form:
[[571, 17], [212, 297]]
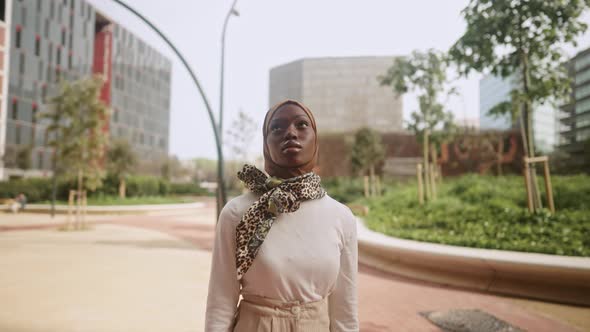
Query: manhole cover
[[473, 320]]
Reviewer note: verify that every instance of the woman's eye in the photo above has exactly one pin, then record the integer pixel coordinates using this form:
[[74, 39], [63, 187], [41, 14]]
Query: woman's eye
[[275, 128], [303, 124]]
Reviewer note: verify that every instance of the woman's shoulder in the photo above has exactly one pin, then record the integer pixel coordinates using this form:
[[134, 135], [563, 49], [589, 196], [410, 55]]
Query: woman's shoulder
[[237, 206], [336, 208]]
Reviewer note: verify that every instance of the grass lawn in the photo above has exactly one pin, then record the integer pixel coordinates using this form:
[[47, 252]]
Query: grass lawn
[[488, 212]]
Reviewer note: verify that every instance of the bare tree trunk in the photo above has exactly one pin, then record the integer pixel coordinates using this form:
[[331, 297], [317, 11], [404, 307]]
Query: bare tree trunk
[[79, 198], [122, 188], [528, 126], [426, 166], [372, 181], [499, 154], [433, 171], [420, 186], [366, 182]]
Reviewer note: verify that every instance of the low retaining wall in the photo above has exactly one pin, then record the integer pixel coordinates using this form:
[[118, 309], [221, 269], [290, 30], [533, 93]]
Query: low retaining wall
[[561, 279], [119, 209]]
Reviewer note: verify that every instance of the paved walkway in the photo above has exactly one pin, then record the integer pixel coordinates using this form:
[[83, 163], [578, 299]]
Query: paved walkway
[[153, 276]]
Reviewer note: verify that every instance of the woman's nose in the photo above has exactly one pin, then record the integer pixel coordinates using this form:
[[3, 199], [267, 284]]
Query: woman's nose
[[291, 132]]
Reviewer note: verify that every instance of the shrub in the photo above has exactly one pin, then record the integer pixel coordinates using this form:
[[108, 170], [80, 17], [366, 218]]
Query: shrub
[[489, 212]]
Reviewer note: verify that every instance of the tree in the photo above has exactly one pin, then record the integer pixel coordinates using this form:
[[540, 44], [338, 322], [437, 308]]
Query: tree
[[172, 169], [521, 38], [425, 72], [120, 162], [239, 142], [367, 152], [23, 157], [77, 119]]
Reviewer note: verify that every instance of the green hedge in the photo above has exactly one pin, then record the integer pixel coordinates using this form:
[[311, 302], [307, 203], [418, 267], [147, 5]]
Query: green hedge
[[39, 189], [187, 189], [488, 212]]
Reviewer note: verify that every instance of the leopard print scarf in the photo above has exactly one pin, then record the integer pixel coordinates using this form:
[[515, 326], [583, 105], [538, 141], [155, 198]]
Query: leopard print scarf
[[277, 196]]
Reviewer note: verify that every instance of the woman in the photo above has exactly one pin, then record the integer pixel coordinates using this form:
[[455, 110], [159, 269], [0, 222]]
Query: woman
[[286, 247]]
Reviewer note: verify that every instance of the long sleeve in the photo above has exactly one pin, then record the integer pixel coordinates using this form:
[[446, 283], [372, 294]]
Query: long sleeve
[[343, 300], [224, 288]]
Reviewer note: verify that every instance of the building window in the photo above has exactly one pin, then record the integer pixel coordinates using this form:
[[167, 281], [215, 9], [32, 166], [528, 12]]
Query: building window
[[47, 28], [58, 58], [21, 65], [14, 109], [51, 9], [35, 110], [17, 134], [37, 45], [63, 36], [17, 37], [40, 159], [23, 16], [40, 71], [70, 60], [50, 52], [44, 92], [57, 74], [38, 5]]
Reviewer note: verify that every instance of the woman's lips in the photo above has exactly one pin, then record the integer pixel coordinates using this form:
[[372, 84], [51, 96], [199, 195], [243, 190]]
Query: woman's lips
[[291, 149]]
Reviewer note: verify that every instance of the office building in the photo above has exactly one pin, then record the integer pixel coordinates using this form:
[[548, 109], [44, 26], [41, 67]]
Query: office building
[[69, 39], [343, 93], [5, 7], [575, 123], [494, 90]]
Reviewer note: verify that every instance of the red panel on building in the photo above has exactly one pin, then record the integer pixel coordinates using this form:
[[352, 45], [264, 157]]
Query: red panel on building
[[103, 45]]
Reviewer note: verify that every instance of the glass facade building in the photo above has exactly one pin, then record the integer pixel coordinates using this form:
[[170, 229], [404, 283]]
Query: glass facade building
[[494, 90], [68, 39], [575, 123]]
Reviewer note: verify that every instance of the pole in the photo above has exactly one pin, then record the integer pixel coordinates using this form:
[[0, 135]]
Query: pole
[[222, 198], [220, 190]]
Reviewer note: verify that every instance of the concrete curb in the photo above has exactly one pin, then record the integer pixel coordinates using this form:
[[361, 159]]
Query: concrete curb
[[562, 279], [116, 209]]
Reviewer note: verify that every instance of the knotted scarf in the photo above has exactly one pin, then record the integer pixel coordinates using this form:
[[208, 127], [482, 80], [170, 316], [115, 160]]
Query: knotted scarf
[[277, 196]]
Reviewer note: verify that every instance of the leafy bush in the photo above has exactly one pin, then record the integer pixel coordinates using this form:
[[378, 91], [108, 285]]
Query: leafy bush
[[489, 212], [187, 189], [344, 189], [39, 189]]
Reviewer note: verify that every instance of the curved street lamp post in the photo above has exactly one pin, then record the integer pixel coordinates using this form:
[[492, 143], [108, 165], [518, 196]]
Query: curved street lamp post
[[232, 11], [221, 197]]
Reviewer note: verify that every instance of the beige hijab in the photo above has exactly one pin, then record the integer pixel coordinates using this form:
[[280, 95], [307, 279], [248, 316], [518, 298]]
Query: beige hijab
[[272, 168]]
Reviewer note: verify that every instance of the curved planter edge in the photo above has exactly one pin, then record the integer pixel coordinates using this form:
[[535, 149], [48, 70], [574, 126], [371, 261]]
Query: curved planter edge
[[563, 279]]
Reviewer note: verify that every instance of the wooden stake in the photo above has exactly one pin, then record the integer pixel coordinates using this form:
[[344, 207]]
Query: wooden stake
[[84, 206], [420, 185], [432, 181], [527, 181], [70, 207], [548, 190]]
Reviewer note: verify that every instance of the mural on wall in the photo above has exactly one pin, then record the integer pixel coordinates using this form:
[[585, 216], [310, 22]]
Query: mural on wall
[[485, 152]]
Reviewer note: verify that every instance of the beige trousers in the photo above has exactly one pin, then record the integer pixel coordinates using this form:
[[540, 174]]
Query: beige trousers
[[261, 314]]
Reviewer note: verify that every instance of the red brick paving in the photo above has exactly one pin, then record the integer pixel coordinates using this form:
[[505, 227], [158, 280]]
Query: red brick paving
[[386, 302]]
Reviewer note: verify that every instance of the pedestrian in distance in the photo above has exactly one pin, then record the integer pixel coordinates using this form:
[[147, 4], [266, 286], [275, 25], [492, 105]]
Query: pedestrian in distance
[[21, 200], [285, 253]]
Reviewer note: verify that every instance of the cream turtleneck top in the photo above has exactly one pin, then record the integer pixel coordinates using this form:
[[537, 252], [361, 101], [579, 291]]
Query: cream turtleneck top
[[307, 255]]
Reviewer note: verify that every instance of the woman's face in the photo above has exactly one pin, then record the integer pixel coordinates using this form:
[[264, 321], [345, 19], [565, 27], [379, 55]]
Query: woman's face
[[290, 138]]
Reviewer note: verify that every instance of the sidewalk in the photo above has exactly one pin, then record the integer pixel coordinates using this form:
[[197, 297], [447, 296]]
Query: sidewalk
[[149, 272], [112, 278]]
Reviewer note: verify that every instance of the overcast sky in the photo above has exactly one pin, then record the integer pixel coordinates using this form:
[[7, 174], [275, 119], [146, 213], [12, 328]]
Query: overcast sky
[[273, 32]]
